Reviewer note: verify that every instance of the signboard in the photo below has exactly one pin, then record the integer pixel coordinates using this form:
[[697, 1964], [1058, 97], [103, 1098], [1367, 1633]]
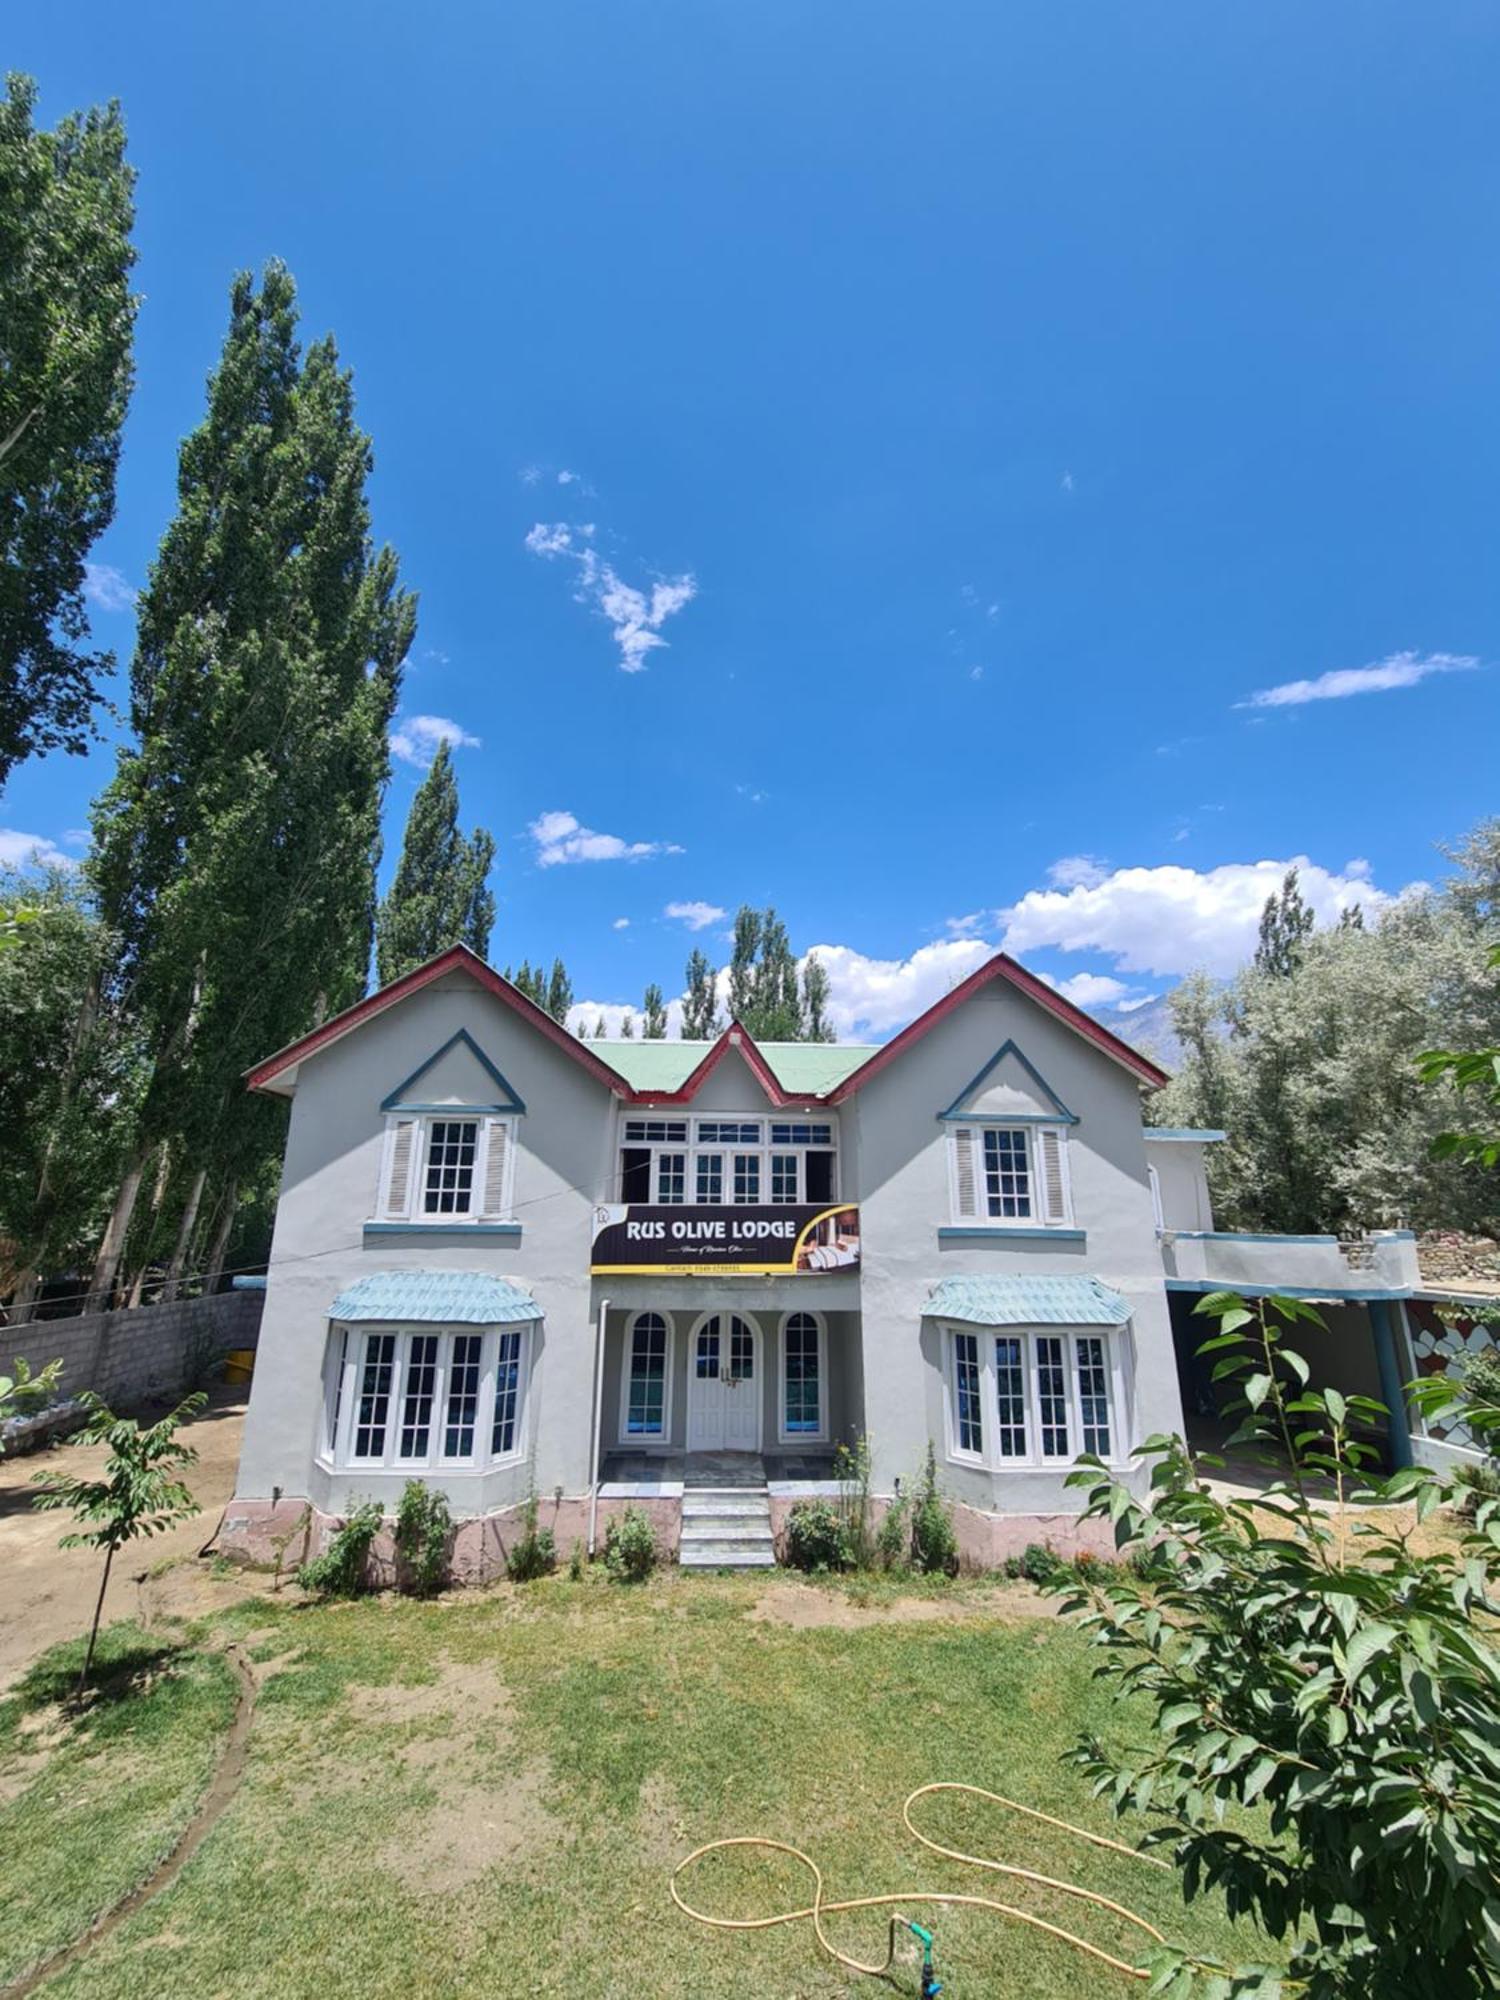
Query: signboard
[[723, 1240]]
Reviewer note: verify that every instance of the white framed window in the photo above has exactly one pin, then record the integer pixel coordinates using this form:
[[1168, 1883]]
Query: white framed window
[[426, 1398], [1019, 1397], [747, 1161], [1010, 1176], [802, 1402], [448, 1168], [646, 1379]]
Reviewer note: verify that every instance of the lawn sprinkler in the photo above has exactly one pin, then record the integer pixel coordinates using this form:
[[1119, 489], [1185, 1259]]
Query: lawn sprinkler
[[931, 1984]]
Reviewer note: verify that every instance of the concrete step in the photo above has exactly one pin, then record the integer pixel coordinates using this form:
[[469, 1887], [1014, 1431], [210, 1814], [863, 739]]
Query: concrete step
[[750, 1508], [727, 1554], [747, 1528]]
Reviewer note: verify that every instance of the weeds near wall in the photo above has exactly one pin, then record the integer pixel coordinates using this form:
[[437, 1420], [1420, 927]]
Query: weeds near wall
[[934, 1544], [340, 1570], [534, 1551], [424, 1537], [630, 1551]]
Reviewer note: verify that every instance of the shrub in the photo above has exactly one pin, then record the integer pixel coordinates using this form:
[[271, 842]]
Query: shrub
[[891, 1543], [817, 1538], [340, 1570], [851, 1468], [630, 1552], [934, 1545], [424, 1532], [534, 1552], [575, 1562]]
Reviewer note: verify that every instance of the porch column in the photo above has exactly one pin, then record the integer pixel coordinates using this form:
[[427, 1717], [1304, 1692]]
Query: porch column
[[1398, 1429]]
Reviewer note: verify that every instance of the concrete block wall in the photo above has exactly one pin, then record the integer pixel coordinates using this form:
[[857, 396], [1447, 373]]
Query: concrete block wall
[[135, 1353]]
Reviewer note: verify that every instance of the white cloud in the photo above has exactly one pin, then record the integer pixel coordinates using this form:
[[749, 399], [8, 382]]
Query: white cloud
[[415, 738], [1066, 482], [1092, 989], [1169, 920], [635, 615], [1077, 871], [31, 850], [1397, 670], [968, 926], [871, 997], [976, 673], [620, 924], [105, 586], [561, 838], [584, 1014], [697, 916]]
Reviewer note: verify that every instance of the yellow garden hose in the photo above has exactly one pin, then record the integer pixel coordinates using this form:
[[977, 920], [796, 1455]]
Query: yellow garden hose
[[818, 1908]]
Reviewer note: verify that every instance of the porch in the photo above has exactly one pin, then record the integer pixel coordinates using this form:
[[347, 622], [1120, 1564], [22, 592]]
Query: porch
[[713, 1470]]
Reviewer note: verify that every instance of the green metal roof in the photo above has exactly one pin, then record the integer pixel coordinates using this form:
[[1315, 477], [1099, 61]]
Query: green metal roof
[[803, 1069], [1027, 1302], [447, 1298]]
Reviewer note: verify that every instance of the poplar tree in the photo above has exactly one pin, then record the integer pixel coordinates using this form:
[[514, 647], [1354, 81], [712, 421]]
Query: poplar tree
[[559, 992], [440, 894], [236, 845], [654, 1028], [66, 321], [1286, 923], [700, 1006], [815, 1025], [763, 995]]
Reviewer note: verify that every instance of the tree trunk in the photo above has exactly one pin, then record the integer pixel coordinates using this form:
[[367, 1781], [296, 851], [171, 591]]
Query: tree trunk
[[88, 1658], [137, 1288], [184, 1236], [23, 1298], [228, 1207], [112, 1247]]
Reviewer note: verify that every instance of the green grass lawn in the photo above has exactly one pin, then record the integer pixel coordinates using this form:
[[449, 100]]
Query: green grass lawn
[[485, 1796]]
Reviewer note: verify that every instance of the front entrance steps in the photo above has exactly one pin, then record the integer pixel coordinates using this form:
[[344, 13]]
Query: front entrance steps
[[726, 1527]]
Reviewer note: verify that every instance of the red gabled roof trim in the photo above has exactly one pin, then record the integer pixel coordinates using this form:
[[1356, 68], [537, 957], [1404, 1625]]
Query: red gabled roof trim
[[736, 1037], [458, 958], [1003, 967]]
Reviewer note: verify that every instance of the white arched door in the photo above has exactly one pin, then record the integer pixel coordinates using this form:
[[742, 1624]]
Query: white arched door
[[724, 1392]]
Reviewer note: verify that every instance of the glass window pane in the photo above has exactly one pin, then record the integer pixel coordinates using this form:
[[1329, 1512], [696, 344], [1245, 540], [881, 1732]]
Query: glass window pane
[[671, 1177], [709, 1181], [747, 1177], [416, 1400], [1007, 1176], [968, 1423], [507, 1393], [646, 1404], [802, 1374], [707, 1360], [1093, 1394], [449, 1185], [1052, 1395], [784, 1177], [1010, 1396], [374, 1395], [463, 1396], [741, 1352]]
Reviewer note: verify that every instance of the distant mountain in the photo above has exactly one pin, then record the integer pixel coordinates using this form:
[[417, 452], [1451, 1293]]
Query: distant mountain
[[1148, 1029]]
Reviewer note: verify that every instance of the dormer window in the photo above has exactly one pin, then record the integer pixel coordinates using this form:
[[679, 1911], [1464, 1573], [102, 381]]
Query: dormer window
[[443, 1168], [1009, 1176]]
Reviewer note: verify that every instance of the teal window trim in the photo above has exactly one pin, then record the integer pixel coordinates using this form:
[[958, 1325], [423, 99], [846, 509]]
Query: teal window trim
[[509, 1100], [1000, 1232], [443, 1232], [1060, 1115]]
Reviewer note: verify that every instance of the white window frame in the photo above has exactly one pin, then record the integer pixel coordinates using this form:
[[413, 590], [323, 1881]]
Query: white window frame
[[820, 1435], [694, 1145], [344, 1367], [1038, 1137], [989, 1458], [644, 1440], [506, 1126]]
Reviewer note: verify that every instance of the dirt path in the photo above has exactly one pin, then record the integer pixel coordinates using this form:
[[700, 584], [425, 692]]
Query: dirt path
[[47, 1593]]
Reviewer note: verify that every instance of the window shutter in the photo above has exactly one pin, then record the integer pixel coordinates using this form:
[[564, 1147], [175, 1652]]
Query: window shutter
[[1054, 1175], [398, 1173], [965, 1197], [496, 1162]]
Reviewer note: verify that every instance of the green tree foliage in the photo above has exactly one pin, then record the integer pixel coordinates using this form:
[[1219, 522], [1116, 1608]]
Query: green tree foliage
[[440, 893], [764, 992], [627, 1026], [700, 1006], [26, 1390], [815, 1024], [1313, 1071], [1286, 923], [67, 1074], [1320, 1673], [139, 1494], [559, 993], [66, 322], [654, 1015], [1474, 1075], [236, 844]]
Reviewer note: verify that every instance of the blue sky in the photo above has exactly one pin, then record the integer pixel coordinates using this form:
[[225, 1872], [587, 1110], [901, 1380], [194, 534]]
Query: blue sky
[[958, 415]]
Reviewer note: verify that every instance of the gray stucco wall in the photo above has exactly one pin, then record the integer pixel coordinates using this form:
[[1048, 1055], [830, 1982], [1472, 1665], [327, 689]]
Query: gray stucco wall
[[885, 1371], [1183, 1178]]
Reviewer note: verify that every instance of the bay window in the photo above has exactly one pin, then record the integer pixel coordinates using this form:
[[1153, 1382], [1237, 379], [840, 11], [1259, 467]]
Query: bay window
[[425, 1398], [1027, 1397]]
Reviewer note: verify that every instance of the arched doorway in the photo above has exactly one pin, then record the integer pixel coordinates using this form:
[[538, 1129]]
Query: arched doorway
[[724, 1390]]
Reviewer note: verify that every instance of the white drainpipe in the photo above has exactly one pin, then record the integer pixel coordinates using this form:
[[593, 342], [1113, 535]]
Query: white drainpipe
[[597, 1424]]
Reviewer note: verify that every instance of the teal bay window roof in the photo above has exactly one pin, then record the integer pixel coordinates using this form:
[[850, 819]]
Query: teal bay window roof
[[1026, 1302], [444, 1298]]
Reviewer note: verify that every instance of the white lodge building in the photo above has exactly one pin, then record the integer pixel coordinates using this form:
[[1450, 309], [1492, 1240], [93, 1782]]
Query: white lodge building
[[508, 1261]]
